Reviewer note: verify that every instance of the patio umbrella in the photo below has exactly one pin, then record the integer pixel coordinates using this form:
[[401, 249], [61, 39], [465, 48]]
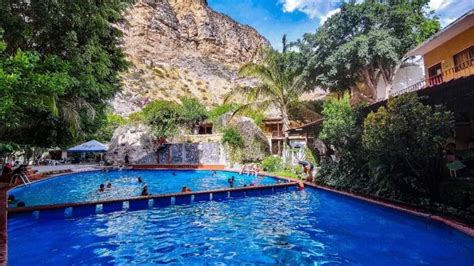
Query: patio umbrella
[[90, 146]]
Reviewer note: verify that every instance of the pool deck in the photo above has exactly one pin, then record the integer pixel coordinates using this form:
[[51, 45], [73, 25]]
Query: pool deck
[[3, 226], [465, 228]]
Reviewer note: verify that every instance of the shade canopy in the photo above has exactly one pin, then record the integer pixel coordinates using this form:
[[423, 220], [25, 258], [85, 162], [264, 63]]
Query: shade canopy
[[90, 146]]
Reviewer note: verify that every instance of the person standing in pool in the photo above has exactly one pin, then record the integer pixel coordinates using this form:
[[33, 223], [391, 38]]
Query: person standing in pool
[[231, 181], [145, 191], [308, 169], [185, 190]]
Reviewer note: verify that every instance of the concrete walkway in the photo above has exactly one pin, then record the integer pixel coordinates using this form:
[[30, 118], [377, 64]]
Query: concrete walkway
[[65, 167]]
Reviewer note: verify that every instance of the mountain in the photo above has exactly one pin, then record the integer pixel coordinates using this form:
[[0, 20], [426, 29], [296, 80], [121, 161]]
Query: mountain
[[182, 48]]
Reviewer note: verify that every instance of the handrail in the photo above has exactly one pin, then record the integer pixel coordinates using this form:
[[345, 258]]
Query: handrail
[[463, 69]]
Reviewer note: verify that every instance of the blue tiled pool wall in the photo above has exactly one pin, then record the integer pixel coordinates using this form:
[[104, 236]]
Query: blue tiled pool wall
[[83, 187], [142, 204]]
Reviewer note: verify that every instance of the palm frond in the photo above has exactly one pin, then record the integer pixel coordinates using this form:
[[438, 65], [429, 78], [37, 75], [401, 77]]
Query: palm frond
[[70, 110]]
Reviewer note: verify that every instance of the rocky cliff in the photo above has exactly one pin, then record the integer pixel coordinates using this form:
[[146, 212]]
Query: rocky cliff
[[182, 48]]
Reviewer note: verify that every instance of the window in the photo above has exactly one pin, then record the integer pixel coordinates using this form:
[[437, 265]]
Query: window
[[205, 129], [435, 75], [464, 59]]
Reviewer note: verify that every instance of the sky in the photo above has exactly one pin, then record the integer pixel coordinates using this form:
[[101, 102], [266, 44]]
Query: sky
[[273, 18]]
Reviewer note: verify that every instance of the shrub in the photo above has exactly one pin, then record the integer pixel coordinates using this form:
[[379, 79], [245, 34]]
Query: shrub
[[406, 139], [256, 115], [216, 112], [339, 122], [136, 117], [233, 138], [272, 163], [193, 112], [163, 116]]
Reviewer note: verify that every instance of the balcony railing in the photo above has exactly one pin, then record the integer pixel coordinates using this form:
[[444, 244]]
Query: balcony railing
[[464, 69], [277, 134]]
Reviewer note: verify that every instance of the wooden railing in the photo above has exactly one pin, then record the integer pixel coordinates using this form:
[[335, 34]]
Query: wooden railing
[[277, 134], [464, 69]]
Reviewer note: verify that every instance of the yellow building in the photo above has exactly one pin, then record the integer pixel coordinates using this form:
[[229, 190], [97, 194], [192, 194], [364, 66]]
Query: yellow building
[[449, 54]]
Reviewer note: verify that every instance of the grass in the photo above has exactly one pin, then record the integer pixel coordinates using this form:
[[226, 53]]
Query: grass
[[289, 174]]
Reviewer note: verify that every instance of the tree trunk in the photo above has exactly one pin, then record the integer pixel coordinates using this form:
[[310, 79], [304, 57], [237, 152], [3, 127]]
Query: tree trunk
[[389, 76], [286, 125], [368, 80]]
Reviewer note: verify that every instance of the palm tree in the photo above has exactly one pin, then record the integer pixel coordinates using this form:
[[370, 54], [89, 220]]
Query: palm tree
[[281, 84], [70, 108]]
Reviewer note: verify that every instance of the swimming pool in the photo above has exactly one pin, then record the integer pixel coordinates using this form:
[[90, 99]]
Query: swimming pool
[[83, 187], [297, 228]]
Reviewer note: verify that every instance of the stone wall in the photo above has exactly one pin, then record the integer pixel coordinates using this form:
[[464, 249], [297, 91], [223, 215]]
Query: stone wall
[[188, 153]]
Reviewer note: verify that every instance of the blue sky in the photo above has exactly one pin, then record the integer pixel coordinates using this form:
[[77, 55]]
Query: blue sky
[[273, 18]]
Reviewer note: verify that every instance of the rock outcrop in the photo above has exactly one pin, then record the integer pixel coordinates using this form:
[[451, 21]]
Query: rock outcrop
[[182, 48], [135, 140], [256, 145]]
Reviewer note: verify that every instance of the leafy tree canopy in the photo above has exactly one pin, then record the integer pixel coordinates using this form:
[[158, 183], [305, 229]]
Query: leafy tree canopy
[[364, 42], [339, 122], [163, 116], [193, 111], [281, 83], [407, 137], [68, 54]]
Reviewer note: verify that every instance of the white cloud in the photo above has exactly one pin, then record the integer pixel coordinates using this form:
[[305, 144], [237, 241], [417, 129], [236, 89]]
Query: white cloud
[[312, 8], [438, 5], [447, 10], [328, 15], [450, 10]]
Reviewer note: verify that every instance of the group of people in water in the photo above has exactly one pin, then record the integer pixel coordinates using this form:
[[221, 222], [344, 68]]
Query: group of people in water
[[13, 200], [252, 169], [108, 186]]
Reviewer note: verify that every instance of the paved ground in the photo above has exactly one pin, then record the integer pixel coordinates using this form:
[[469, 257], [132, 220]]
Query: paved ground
[[63, 167]]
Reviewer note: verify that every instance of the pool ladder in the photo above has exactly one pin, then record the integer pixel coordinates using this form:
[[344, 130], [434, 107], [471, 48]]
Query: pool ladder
[[23, 177]]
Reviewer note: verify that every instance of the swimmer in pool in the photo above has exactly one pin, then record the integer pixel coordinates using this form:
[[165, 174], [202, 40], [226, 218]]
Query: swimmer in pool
[[139, 179], [11, 199], [101, 188], [174, 173], [109, 185], [185, 190], [145, 191], [231, 181]]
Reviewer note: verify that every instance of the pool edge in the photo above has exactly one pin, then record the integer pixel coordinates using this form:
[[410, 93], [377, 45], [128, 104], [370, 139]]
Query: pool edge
[[3, 226], [464, 228]]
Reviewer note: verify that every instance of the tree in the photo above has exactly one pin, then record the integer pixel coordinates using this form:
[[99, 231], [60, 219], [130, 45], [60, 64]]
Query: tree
[[339, 123], [365, 42], [80, 35], [281, 84], [30, 86], [193, 112], [407, 138], [108, 126], [163, 116]]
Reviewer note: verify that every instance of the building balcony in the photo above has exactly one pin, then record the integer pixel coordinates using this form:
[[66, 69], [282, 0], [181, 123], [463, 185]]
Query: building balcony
[[462, 70]]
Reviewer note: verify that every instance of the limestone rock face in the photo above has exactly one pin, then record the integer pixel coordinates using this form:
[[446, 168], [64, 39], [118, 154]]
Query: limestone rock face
[[135, 140], [256, 143], [182, 48]]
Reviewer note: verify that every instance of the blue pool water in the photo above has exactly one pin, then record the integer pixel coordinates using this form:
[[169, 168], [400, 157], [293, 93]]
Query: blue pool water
[[84, 186], [310, 227]]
